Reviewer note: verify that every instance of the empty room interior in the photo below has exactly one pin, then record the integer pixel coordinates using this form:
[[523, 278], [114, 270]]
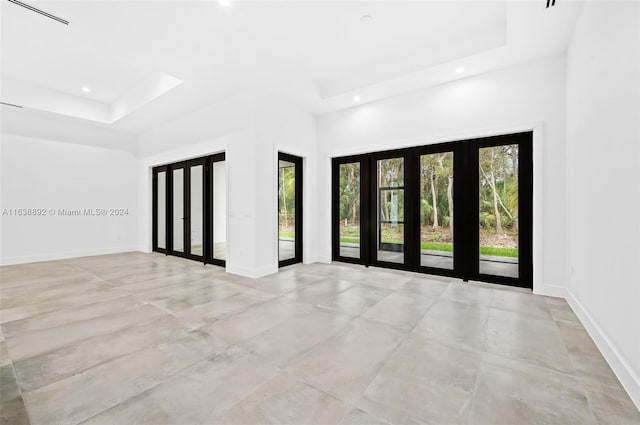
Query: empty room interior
[[320, 212]]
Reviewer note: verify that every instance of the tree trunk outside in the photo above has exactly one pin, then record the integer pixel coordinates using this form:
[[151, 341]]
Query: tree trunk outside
[[284, 199], [436, 225], [495, 204], [352, 178], [514, 162]]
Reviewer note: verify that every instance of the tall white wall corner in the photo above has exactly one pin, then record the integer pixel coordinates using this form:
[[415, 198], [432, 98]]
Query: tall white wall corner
[[622, 368]]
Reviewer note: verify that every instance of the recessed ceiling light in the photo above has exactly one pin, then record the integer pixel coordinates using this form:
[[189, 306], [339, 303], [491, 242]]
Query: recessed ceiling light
[[224, 3], [356, 98], [86, 89], [366, 18], [459, 70]]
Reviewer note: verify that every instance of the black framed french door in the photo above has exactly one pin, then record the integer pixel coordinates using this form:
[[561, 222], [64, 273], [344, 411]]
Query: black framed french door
[[289, 209], [460, 209], [216, 209], [189, 205], [177, 207]]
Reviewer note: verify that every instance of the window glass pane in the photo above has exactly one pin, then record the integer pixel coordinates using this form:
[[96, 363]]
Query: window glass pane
[[162, 209], [391, 205], [178, 210], [350, 210], [196, 194], [436, 210], [286, 210], [390, 237], [499, 210], [391, 172]]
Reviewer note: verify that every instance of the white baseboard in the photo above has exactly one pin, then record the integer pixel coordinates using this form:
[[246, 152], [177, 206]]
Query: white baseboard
[[250, 272], [53, 256], [551, 290], [618, 364], [312, 260]]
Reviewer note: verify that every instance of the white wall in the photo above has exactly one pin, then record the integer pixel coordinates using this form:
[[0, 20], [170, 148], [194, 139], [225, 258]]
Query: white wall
[[283, 127], [603, 139], [240, 208], [49, 174], [527, 96], [250, 128]]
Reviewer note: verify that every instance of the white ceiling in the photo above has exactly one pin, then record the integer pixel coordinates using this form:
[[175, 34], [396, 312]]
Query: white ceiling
[[319, 54]]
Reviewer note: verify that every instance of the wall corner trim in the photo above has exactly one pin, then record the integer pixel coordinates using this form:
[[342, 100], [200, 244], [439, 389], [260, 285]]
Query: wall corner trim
[[625, 374]]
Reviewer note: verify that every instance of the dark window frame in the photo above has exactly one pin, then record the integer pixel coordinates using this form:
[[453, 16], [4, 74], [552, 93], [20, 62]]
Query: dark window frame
[[466, 199], [299, 216], [207, 214]]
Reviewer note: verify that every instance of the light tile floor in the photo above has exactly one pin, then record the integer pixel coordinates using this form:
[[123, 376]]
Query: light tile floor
[[143, 338]]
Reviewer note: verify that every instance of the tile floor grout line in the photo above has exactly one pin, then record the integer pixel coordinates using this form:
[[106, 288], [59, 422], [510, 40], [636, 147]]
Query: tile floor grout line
[[178, 336], [144, 322], [24, 401], [99, 264], [168, 378]]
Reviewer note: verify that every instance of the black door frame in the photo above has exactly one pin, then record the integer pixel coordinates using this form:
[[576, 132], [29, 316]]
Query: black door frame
[[374, 208], [466, 201], [154, 208], [207, 210], [209, 249], [297, 161], [365, 178], [170, 219], [459, 231]]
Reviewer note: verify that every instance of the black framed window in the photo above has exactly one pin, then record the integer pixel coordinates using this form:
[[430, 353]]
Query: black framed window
[[189, 209], [289, 209], [462, 209]]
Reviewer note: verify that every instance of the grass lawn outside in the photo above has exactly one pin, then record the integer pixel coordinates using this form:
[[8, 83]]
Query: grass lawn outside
[[447, 247]]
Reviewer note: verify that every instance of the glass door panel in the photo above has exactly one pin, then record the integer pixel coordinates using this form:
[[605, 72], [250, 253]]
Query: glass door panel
[[196, 195], [390, 211], [161, 221], [289, 209], [349, 175], [286, 210], [219, 208], [178, 210], [498, 210], [436, 210], [189, 209], [408, 199]]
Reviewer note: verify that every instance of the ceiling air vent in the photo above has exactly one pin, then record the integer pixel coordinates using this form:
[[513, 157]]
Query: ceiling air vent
[[551, 3], [10, 104], [42, 12]]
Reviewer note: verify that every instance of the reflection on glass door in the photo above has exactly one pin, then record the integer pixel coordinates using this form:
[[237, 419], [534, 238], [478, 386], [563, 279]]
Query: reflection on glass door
[[189, 209], [408, 199], [289, 209], [498, 210], [196, 222], [219, 208], [349, 210], [161, 210], [390, 218], [178, 210], [436, 210]]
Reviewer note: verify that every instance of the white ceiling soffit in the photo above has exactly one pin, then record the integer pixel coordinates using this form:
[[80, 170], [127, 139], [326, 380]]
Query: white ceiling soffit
[[148, 62], [452, 31], [44, 68]]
